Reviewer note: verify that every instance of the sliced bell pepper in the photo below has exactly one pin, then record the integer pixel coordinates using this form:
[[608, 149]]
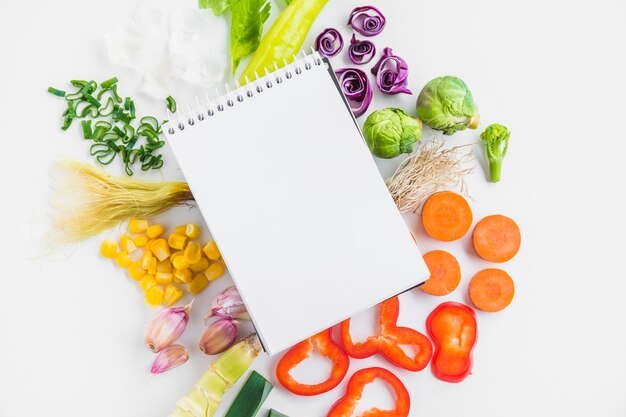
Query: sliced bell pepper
[[327, 347], [388, 342], [345, 406], [454, 330]]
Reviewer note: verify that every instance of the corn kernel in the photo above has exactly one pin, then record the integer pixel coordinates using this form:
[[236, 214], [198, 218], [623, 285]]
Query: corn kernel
[[182, 276], [147, 282], [122, 259], [211, 251], [140, 241], [152, 268], [200, 266], [193, 253], [135, 270], [137, 226], [163, 278], [155, 295], [180, 262], [172, 295], [192, 231], [199, 283], [127, 244], [160, 249], [165, 266], [214, 271], [108, 249], [181, 230], [155, 231], [145, 259], [177, 241]]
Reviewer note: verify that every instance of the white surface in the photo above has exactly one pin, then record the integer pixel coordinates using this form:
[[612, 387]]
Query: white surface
[[70, 323], [281, 207]]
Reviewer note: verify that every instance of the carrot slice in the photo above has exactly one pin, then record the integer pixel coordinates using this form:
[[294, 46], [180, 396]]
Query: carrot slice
[[496, 238], [491, 290], [445, 273], [446, 216]]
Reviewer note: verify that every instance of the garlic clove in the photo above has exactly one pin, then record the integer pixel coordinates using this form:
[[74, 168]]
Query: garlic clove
[[228, 304], [166, 327], [168, 358], [219, 336]]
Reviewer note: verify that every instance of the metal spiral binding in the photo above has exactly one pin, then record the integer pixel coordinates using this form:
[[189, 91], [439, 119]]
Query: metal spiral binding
[[211, 107]]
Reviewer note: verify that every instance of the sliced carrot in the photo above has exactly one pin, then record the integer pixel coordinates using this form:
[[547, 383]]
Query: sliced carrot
[[491, 290], [496, 238], [445, 273], [446, 216]]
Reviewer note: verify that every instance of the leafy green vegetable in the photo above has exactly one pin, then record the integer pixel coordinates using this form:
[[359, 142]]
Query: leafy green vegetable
[[218, 6], [496, 137], [250, 397], [391, 132], [446, 104], [246, 28]]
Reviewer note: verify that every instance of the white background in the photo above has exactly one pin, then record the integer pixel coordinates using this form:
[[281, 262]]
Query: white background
[[553, 71]]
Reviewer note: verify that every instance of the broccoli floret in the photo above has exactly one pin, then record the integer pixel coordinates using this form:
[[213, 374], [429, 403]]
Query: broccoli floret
[[496, 138]]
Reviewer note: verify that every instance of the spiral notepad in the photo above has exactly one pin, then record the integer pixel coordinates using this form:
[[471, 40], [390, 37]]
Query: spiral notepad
[[295, 202]]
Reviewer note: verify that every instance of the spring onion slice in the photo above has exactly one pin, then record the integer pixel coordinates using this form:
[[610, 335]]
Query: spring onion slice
[[109, 83], [87, 132], [67, 122], [78, 83], [71, 109], [56, 92], [108, 108], [92, 99], [250, 397], [274, 413], [171, 104]]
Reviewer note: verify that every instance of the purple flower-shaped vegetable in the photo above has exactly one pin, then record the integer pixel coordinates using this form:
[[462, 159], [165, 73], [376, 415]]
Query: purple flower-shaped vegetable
[[367, 20], [329, 43], [356, 87], [391, 73], [361, 52]]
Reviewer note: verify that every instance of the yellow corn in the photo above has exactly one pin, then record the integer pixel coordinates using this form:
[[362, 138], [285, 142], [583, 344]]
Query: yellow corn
[[122, 259], [155, 295], [140, 241], [165, 266], [199, 283], [137, 226], [108, 249], [163, 278], [160, 249], [155, 231], [172, 295], [145, 259], [152, 268], [214, 271], [180, 262], [192, 231], [211, 251], [147, 282], [177, 241], [127, 243], [200, 266], [181, 230], [182, 276], [135, 270], [193, 253]]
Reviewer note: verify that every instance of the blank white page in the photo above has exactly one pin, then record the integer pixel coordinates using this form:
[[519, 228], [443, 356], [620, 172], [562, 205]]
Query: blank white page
[[297, 206]]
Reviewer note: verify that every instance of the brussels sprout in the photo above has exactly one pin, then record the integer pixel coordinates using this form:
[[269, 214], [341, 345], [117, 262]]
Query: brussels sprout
[[390, 132], [446, 104]]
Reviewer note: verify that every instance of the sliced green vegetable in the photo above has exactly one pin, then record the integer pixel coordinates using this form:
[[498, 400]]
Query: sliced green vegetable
[[87, 132], [171, 104], [247, 18], [56, 92], [274, 413], [251, 397], [109, 83]]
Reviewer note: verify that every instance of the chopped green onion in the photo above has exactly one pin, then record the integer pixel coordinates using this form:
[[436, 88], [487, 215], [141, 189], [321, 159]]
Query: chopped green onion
[[67, 121], [56, 92], [104, 124], [78, 83], [274, 413], [250, 397], [87, 132], [92, 100], [89, 88], [171, 104], [74, 96], [109, 83], [108, 108], [71, 109]]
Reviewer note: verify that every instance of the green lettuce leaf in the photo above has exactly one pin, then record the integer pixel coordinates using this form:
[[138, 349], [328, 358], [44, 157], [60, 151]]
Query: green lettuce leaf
[[218, 6], [246, 27]]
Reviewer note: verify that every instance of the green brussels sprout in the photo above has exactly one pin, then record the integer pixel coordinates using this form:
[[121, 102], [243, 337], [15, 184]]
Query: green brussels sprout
[[446, 104], [391, 132]]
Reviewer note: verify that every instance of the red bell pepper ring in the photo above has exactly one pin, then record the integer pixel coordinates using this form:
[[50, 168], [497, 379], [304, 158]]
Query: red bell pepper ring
[[388, 342], [453, 328], [345, 406], [327, 347]]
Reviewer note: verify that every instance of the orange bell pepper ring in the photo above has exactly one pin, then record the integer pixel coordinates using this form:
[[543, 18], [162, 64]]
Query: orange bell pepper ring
[[388, 342], [454, 330], [327, 347], [345, 406]]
